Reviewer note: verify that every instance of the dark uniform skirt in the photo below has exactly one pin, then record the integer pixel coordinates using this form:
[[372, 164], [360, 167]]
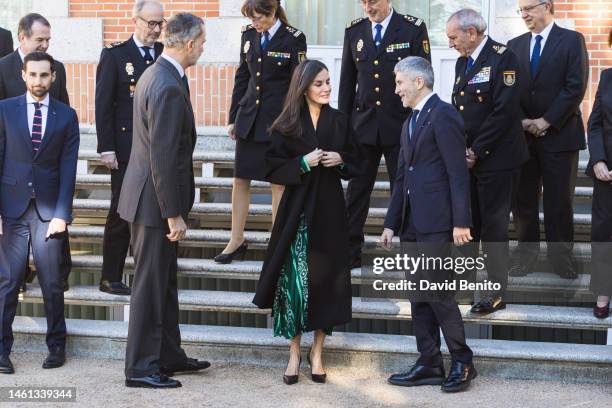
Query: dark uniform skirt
[[250, 159]]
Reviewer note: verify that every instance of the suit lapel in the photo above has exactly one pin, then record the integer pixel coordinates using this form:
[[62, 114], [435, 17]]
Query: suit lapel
[[18, 68], [554, 37], [24, 126], [49, 127], [482, 58], [137, 57], [390, 32], [421, 124]]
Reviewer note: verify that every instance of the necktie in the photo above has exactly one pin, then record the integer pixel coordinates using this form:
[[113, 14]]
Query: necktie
[[413, 121], [266, 40], [535, 55], [36, 128], [147, 55], [470, 64], [186, 83], [378, 36]]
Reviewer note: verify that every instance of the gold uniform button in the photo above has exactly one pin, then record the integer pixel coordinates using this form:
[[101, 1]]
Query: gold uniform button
[[478, 91], [258, 73], [378, 103], [123, 129], [257, 102], [132, 80], [487, 152], [357, 109], [375, 62], [461, 108], [258, 59], [279, 63], [462, 93], [357, 59], [376, 76], [377, 89], [399, 58], [257, 87]]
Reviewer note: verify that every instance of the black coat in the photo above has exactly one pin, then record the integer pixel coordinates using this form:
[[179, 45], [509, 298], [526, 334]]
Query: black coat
[[367, 82], [319, 195], [556, 91], [12, 84], [6, 42], [118, 72], [262, 79], [488, 99], [600, 124]]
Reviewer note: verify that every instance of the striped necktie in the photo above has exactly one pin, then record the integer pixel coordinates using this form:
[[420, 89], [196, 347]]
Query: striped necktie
[[36, 128]]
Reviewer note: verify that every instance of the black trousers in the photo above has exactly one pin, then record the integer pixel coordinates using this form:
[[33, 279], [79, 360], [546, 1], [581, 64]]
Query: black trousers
[[601, 237], [555, 173], [47, 254], [360, 189], [116, 232], [431, 316], [154, 338], [491, 198]]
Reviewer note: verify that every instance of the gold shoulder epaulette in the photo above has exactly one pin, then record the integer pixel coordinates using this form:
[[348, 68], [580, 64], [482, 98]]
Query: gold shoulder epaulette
[[247, 27], [113, 45], [296, 33], [411, 19], [352, 23], [499, 49]]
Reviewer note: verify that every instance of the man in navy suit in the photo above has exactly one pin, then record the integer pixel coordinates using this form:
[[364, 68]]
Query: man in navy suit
[[39, 143], [553, 63], [430, 206]]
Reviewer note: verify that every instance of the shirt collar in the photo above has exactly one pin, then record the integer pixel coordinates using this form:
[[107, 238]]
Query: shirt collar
[[545, 32], [421, 104], [21, 54], [30, 99], [171, 60], [272, 30], [138, 43], [384, 23], [478, 49]]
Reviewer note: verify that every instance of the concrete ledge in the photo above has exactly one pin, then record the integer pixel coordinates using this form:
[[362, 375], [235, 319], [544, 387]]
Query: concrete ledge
[[576, 363]]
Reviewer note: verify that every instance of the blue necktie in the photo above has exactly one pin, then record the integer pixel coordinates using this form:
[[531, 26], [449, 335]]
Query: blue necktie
[[36, 128], [413, 121], [470, 64], [535, 55], [378, 36], [266, 40], [148, 57]]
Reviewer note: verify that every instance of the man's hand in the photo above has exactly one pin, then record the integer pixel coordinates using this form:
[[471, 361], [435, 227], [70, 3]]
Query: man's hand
[[470, 157], [386, 238], [177, 227], [526, 124], [231, 132], [541, 126], [461, 235], [56, 226], [110, 161], [331, 159], [602, 172]]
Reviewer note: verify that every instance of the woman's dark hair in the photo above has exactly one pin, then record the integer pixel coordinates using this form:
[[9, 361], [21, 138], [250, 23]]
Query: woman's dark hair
[[289, 122], [265, 7]]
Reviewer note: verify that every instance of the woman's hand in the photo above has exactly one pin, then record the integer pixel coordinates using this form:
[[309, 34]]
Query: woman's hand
[[331, 159], [313, 158], [230, 132]]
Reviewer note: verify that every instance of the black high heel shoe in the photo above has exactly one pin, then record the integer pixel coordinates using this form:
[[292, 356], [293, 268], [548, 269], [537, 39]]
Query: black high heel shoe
[[228, 258], [318, 378], [292, 379]]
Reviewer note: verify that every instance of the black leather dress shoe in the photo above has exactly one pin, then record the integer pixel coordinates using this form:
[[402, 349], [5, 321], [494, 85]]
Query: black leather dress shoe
[[191, 365], [23, 287], [459, 377], [152, 381], [419, 375], [66, 286], [240, 252], [601, 312], [55, 359], [6, 365], [488, 305], [518, 270], [114, 288], [567, 273]]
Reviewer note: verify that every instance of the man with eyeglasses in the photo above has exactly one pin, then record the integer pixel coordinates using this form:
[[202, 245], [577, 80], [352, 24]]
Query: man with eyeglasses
[[121, 65], [372, 46], [553, 79]]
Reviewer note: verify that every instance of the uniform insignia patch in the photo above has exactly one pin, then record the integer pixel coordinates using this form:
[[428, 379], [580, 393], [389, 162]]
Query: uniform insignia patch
[[482, 76], [416, 21], [301, 56], [399, 46], [509, 78], [247, 47], [246, 27], [113, 45], [426, 46], [359, 45], [283, 55], [129, 68], [352, 23], [499, 49]]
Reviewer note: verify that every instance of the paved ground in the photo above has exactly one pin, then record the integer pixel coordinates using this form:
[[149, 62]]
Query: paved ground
[[100, 383]]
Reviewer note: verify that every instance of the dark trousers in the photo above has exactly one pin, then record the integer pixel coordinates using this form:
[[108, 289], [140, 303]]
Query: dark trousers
[[116, 232], [429, 316], [360, 189], [154, 339], [491, 198], [555, 172], [601, 237], [17, 232], [65, 261]]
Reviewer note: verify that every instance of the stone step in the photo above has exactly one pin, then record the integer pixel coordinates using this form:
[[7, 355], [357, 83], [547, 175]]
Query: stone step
[[366, 308], [379, 353]]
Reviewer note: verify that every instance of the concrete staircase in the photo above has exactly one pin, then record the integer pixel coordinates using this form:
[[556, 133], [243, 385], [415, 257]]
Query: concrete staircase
[[210, 221]]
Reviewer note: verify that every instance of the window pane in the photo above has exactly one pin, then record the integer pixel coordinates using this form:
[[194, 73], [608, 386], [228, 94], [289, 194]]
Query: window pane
[[11, 11], [324, 21]]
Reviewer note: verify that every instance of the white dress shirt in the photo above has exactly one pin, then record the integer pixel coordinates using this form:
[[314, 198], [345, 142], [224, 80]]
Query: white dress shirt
[[479, 49], [545, 33], [140, 45], [21, 54], [176, 65], [44, 108], [271, 31], [422, 103], [384, 24]]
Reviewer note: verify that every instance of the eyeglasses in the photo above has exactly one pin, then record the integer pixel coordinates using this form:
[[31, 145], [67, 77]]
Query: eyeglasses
[[520, 11], [152, 24]]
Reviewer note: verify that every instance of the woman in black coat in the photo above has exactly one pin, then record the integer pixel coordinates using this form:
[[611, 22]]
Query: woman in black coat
[[306, 276], [269, 52], [600, 151]]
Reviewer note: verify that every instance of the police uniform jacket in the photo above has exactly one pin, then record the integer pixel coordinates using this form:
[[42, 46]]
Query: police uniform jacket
[[488, 99], [367, 82], [262, 79], [121, 65]]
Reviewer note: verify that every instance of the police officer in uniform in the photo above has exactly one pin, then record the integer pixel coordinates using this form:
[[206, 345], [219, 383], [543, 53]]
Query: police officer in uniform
[[269, 52], [487, 96], [372, 47], [120, 66]]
